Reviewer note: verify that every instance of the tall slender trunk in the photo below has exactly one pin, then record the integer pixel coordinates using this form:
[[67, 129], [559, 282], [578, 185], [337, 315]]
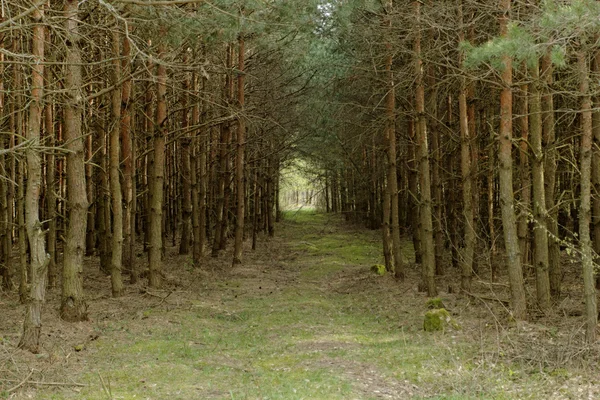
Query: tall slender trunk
[[413, 192], [540, 232], [239, 160], [5, 228], [550, 159], [436, 177], [525, 175], [104, 234], [223, 191], [467, 179], [390, 144], [72, 305], [596, 166], [589, 287], [149, 159], [116, 194], [198, 231], [428, 249], [128, 161], [90, 237], [158, 175], [32, 325], [186, 170], [50, 186], [511, 240], [490, 199], [18, 175]]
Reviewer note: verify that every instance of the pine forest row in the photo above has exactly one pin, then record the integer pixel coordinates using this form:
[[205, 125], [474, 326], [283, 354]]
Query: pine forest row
[[470, 126]]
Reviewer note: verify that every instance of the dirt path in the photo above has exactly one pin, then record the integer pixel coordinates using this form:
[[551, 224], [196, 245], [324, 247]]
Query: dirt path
[[302, 318]]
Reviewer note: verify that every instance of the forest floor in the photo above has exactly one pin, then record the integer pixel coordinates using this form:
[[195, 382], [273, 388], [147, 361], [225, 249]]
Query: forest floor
[[303, 318]]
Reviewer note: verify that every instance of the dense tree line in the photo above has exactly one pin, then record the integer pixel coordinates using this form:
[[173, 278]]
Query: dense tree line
[[470, 125], [138, 122]]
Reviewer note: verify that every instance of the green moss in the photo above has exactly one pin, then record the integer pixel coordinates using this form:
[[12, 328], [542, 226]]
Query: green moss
[[435, 303], [436, 320], [378, 269]]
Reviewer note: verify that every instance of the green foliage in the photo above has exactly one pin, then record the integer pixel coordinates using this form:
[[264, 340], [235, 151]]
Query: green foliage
[[557, 27], [519, 45], [566, 21]]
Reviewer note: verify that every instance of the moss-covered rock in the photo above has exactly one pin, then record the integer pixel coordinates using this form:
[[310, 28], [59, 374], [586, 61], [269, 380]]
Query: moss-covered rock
[[378, 269], [435, 303], [438, 320]]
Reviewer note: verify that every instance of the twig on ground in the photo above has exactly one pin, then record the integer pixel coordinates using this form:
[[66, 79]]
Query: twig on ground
[[12, 389], [106, 388]]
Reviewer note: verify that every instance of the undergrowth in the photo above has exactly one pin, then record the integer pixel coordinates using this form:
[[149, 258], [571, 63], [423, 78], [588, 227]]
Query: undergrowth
[[308, 320]]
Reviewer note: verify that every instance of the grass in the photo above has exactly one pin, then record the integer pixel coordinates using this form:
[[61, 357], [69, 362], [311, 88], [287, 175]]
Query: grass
[[326, 329]]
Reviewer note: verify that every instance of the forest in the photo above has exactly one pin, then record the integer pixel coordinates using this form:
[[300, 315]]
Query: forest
[[323, 199]]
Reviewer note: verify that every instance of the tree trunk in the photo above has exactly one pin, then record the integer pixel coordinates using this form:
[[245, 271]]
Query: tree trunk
[[436, 177], [158, 176], [186, 177], [525, 177], [223, 185], [239, 160], [413, 192], [72, 306], [428, 249], [490, 200], [591, 313], [511, 240], [390, 144], [596, 167], [198, 176], [186, 170], [32, 325], [467, 180], [5, 228], [540, 232], [128, 161], [50, 187], [550, 159], [116, 194]]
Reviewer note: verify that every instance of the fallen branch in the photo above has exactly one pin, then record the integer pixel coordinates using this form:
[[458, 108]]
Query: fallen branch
[[12, 389], [162, 298]]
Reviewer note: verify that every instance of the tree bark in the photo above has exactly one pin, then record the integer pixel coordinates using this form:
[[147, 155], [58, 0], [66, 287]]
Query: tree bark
[[596, 166], [239, 160], [511, 240], [116, 194], [32, 325], [540, 214], [186, 170], [550, 159], [525, 176], [591, 313], [467, 180], [158, 176], [128, 259], [72, 306], [50, 185], [6, 265], [428, 249], [390, 144]]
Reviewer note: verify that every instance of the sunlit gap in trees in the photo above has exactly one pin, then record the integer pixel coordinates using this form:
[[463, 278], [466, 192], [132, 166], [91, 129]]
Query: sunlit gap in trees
[[301, 186]]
